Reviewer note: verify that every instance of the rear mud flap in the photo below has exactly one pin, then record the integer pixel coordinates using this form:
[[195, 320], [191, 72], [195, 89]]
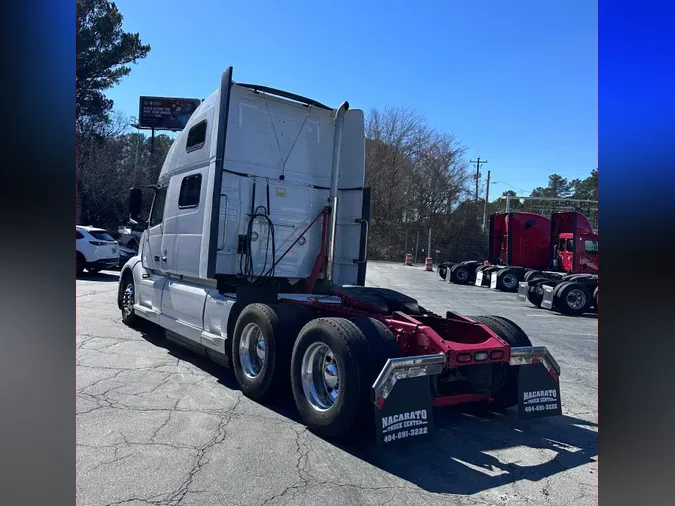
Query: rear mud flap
[[402, 398], [479, 279], [493, 280], [523, 288], [547, 301], [538, 383]]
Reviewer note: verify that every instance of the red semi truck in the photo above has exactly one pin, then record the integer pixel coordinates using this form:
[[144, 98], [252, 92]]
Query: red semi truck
[[524, 246]]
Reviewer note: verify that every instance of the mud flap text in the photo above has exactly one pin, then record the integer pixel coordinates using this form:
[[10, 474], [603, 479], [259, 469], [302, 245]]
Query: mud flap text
[[407, 414], [538, 392]]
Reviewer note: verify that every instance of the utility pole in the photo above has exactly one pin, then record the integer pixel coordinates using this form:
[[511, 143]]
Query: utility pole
[[487, 196], [478, 163], [429, 246], [417, 245]]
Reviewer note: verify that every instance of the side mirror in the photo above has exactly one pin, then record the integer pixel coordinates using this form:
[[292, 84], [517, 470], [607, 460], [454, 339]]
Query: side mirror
[[135, 200]]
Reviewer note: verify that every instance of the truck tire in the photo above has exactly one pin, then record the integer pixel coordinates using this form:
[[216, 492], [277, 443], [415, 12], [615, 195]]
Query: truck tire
[[572, 298], [532, 296], [459, 274], [334, 364], [505, 394], [127, 298], [532, 274], [261, 347], [383, 344], [507, 280]]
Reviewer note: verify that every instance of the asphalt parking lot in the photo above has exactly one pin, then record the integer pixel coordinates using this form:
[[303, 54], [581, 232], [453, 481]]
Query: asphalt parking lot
[[159, 425]]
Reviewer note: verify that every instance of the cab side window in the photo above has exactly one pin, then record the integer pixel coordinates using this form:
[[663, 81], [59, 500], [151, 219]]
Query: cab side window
[[190, 188], [157, 214], [591, 246]]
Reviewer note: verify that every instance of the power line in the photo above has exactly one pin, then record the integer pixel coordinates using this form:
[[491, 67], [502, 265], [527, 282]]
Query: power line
[[508, 184]]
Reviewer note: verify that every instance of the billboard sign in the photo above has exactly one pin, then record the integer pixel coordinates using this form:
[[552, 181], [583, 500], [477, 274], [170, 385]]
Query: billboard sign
[[164, 113]]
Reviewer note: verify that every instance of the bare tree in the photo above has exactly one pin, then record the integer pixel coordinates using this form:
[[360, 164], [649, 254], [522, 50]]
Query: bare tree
[[416, 175]]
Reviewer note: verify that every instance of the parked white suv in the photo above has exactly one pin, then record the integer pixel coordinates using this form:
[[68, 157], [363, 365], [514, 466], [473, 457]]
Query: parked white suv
[[95, 249]]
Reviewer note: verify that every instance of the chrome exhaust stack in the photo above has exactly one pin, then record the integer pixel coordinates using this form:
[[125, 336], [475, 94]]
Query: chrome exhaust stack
[[333, 193]]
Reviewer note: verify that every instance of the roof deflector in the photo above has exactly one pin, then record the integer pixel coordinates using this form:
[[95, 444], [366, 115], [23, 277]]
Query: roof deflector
[[285, 94]]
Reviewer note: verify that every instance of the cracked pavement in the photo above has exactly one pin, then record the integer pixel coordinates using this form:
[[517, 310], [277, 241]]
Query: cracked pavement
[[159, 425]]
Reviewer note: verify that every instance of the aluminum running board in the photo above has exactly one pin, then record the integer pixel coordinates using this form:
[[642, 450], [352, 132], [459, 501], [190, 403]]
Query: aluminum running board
[[402, 368], [525, 355]]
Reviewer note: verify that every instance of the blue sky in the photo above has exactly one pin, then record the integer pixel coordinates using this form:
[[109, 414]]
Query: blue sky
[[516, 82]]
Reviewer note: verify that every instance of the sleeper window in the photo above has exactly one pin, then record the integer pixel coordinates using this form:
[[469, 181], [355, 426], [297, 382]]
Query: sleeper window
[[196, 137], [190, 188]]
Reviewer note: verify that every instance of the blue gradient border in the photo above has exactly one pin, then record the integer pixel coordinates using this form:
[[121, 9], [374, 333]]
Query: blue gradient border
[[636, 126]]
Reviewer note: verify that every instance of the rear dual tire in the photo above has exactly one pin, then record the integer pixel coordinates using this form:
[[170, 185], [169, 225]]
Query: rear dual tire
[[532, 296], [461, 274], [572, 298], [505, 395], [261, 347], [335, 363], [507, 280]]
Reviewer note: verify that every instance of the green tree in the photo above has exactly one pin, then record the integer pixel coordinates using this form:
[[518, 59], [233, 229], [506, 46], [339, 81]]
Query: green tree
[[586, 188], [558, 186], [104, 52], [500, 204]]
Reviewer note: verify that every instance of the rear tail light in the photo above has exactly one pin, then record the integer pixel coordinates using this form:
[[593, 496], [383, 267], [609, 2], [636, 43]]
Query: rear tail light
[[463, 357], [496, 355], [480, 356], [96, 243]]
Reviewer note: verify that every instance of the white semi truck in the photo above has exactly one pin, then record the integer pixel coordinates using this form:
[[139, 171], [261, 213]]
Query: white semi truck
[[255, 256]]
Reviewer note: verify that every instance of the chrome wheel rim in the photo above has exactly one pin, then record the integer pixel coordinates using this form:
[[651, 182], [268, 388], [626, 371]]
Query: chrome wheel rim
[[320, 377], [510, 281], [252, 350], [128, 299], [576, 299], [462, 275]]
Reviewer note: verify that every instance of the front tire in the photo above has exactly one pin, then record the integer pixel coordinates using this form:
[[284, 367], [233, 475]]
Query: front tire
[[129, 317]]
